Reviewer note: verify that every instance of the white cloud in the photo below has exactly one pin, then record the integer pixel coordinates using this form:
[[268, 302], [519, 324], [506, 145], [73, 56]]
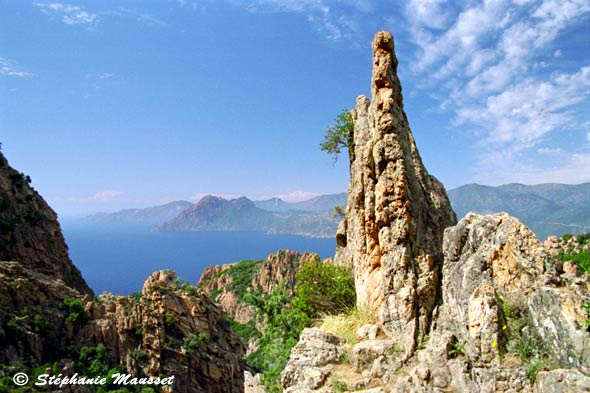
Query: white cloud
[[200, 195], [549, 150], [296, 196], [527, 111], [429, 13], [11, 68], [105, 196], [573, 169], [335, 23], [70, 14]]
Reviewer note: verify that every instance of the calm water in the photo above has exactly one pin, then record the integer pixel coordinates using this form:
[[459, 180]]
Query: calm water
[[119, 258]]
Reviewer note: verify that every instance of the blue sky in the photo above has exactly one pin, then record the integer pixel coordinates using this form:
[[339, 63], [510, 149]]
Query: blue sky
[[113, 104]]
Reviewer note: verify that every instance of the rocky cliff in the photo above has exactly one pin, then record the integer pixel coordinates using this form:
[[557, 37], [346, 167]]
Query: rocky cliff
[[396, 212], [48, 314], [30, 232]]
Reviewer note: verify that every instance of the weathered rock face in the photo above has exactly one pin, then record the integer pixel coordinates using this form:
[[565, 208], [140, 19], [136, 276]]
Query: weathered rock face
[[396, 213], [309, 365], [501, 297], [30, 233], [161, 322]]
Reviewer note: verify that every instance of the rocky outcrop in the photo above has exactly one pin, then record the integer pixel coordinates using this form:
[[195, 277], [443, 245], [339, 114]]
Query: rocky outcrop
[[30, 232], [180, 331], [169, 329], [220, 282], [505, 311], [396, 213], [311, 360]]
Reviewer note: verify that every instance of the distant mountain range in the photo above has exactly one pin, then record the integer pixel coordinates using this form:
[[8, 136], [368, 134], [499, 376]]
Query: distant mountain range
[[149, 216], [546, 208]]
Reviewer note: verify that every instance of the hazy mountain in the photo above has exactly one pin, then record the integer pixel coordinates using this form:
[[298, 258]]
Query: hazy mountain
[[274, 205], [217, 214], [322, 203], [148, 216], [546, 208]]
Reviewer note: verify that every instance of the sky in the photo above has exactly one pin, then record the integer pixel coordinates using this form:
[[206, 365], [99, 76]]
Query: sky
[[118, 104]]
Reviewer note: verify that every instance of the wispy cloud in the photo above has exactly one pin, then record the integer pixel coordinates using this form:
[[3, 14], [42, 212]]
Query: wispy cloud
[[101, 75], [491, 65], [11, 68], [105, 196], [69, 14], [76, 15], [333, 23], [139, 16]]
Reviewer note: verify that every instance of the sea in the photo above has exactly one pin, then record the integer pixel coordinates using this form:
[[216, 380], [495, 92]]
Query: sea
[[118, 258]]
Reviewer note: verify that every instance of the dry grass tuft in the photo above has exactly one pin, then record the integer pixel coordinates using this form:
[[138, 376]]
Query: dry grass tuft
[[346, 324]]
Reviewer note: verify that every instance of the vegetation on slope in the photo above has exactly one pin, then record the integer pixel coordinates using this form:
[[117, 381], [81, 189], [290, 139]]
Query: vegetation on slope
[[577, 250], [321, 288]]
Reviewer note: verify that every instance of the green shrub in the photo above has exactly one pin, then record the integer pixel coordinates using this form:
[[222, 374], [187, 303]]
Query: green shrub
[[75, 310], [245, 331], [39, 324], [532, 368], [139, 355], [136, 297], [241, 274], [582, 259], [324, 288], [192, 342], [339, 386]]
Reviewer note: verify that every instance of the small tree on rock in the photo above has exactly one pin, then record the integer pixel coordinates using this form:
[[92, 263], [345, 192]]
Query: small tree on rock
[[339, 136]]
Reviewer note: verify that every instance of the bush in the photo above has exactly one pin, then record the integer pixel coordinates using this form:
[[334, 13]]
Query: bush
[[74, 308], [324, 288], [192, 342], [320, 289], [581, 259]]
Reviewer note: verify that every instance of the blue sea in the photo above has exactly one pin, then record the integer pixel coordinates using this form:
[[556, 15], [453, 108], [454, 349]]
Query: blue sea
[[118, 258]]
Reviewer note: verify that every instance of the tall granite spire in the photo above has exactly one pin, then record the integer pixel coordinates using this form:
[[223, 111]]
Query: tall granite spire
[[396, 214]]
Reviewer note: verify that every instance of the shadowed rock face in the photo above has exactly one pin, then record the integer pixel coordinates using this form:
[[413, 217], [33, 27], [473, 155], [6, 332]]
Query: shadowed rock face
[[30, 233], [396, 213]]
